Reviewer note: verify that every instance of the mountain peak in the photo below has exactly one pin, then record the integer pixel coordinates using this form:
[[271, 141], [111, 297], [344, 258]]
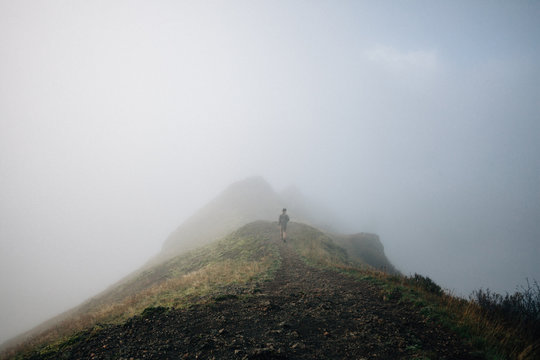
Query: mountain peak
[[251, 183], [240, 203]]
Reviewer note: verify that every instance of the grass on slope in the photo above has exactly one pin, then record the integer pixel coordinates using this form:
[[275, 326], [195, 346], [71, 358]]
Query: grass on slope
[[244, 257], [496, 327], [337, 251], [492, 333], [315, 247]]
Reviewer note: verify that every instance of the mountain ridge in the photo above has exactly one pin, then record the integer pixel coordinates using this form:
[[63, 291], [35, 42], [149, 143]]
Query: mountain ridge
[[299, 311], [242, 203]]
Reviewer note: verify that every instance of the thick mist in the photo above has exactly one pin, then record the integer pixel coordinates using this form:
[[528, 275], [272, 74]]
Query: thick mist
[[418, 121]]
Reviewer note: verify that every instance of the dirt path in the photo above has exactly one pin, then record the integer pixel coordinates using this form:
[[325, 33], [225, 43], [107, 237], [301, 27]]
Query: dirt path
[[305, 313]]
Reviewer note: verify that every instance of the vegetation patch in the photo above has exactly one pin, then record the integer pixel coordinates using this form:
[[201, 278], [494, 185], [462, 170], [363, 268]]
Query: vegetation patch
[[517, 314], [315, 247], [497, 327], [522, 307], [426, 284]]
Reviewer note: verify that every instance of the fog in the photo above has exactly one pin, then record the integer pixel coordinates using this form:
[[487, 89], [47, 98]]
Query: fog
[[419, 121]]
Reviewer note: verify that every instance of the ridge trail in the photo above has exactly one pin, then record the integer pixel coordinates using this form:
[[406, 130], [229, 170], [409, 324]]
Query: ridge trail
[[303, 313]]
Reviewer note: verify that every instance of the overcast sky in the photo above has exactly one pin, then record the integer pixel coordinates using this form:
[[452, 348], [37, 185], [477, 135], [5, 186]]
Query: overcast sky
[[417, 120]]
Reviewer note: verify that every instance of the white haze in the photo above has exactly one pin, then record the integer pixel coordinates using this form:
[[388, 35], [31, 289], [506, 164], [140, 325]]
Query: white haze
[[417, 120]]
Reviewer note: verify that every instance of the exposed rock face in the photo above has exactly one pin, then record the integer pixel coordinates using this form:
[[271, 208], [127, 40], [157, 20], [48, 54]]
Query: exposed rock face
[[366, 248]]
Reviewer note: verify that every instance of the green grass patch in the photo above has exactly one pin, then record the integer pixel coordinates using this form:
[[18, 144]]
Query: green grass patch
[[315, 247]]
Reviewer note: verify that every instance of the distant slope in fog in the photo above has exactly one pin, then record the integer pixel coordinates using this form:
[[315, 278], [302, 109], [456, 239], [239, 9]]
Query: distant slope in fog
[[366, 248], [241, 203]]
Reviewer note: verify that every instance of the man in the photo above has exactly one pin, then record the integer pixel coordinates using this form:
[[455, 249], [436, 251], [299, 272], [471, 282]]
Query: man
[[283, 220]]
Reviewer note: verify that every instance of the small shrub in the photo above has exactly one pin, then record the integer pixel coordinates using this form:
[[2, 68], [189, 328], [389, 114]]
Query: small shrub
[[426, 284], [521, 308]]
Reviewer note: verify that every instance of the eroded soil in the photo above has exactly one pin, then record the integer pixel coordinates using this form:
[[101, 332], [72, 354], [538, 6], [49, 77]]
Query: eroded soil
[[304, 313]]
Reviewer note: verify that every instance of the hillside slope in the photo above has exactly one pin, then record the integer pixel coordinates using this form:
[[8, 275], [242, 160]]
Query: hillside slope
[[241, 203], [245, 255], [242, 257], [301, 312], [366, 248]]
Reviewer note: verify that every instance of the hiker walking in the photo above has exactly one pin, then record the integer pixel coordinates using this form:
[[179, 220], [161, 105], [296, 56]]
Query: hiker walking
[[283, 220]]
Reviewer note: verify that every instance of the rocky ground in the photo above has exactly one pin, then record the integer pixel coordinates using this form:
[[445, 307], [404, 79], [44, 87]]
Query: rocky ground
[[304, 313]]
